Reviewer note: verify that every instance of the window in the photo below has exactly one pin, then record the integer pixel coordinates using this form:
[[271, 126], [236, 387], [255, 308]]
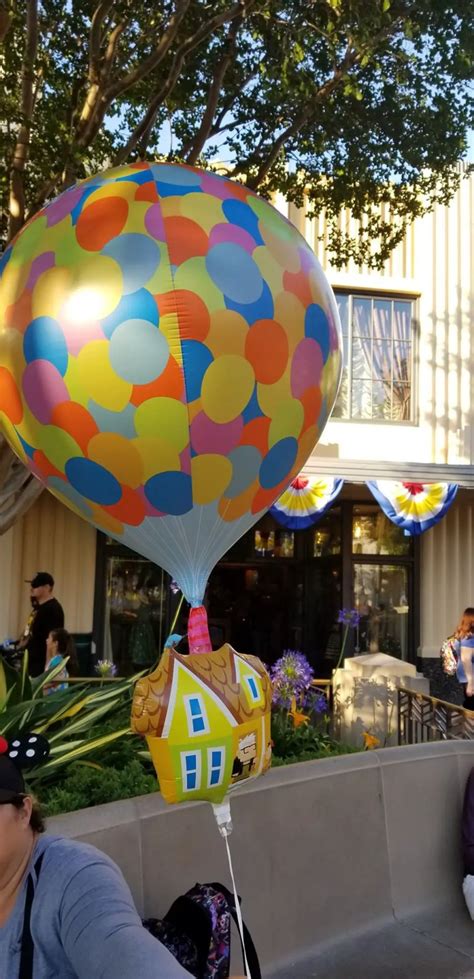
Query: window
[[196, 713], [255, 692], [191, 770], [378, 358], [215, 766]]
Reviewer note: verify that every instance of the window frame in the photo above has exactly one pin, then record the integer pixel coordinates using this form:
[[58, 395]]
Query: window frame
[[197, 771], [213, 768], [202, 715], [392, 296]]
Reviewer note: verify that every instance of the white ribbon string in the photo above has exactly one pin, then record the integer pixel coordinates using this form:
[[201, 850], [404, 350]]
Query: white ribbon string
[[237, 908]]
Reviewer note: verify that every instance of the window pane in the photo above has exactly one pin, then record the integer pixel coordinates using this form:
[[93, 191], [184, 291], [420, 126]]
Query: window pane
[[361, 399], [135, 612], [382, 319], [382, 360], [381, 401], [402, 317], [216, 759], [361, 358], [374, 533], [380, 596], [343, 307], [327, 534], [401, 409], [402, 362], [191, 781], [274, 543], [195, 707], [361, 316], [191, 763]]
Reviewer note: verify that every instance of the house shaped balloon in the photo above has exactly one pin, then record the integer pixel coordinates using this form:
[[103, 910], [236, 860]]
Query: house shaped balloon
[[206, 719]]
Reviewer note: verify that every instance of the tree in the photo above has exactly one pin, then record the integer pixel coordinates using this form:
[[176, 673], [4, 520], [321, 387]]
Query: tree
[[363, 104]]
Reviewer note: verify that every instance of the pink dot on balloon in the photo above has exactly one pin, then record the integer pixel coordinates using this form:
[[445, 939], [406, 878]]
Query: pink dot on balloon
[[231, 232], [44, 388], [78, 334], [306, 366], [154, 222], [210, 437], [63, 206], [185, 460], [221, 189]]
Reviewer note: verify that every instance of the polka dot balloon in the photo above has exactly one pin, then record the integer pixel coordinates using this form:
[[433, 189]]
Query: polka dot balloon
[[169, 354]]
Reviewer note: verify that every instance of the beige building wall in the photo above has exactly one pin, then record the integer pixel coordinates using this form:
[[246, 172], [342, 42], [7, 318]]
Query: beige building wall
[[48, 538]]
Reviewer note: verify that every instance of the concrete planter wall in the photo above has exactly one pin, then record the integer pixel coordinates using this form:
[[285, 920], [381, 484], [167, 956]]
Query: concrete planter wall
[[320, 849]]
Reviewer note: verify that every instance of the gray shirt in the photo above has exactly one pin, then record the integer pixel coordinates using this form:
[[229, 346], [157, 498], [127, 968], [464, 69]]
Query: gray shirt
[[83, 921]]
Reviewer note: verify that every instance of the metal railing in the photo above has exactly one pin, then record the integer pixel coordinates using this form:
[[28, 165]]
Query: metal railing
[[422, 718]]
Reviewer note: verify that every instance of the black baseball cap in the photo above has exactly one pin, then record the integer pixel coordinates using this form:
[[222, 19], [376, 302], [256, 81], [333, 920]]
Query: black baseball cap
[[11, 780], [41, 578]]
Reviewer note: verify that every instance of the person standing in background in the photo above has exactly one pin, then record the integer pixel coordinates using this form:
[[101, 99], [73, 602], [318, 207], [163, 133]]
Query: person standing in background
[[49, 616]]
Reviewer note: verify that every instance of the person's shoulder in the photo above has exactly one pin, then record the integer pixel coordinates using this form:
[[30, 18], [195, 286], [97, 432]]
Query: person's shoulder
[[69, 856]]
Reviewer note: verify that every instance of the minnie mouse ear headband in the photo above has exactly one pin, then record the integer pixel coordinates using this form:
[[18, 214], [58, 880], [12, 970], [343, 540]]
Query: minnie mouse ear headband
[[23, 751]]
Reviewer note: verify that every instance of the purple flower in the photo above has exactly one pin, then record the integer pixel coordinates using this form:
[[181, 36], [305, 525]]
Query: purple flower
[[348, 617], [291, 676], [174, 587], [105, 667]]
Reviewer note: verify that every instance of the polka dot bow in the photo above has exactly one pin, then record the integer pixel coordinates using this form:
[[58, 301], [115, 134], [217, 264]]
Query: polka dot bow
[[26, 750]]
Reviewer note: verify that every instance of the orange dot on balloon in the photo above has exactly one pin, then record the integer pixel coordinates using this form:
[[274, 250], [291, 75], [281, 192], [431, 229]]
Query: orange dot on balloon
[[170, 384], [230, 510], [101, 221], [185, 239], [130, 509], [298, 283], [256, 433], [10, 401], [19, 314], [311, 401], [74, 419], [193, 315], [147, 192], [265, 497], [45, 466], [266, 347]]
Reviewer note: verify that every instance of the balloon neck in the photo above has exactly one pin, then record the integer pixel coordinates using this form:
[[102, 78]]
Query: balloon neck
[[223, 817], [199, 640]]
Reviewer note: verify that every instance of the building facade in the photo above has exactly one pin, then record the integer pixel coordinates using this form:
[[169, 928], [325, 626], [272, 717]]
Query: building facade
[[405, 411]]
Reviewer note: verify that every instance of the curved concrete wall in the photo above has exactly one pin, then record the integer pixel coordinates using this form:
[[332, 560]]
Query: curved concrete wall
[[321, 849]]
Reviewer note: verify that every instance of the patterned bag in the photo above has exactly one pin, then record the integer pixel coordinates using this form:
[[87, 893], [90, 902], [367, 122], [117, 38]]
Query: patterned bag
[[196, 930], [449, 660]]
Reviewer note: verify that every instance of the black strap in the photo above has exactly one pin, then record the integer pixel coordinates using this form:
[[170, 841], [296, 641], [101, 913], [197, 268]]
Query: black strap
[[27, 947], [250, 950]]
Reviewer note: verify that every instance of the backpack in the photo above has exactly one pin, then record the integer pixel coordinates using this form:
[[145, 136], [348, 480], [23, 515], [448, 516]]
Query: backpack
[[449, 660], [196, 930]]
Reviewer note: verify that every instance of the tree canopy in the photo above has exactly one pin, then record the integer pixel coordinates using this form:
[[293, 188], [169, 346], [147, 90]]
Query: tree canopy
[[334, 103]]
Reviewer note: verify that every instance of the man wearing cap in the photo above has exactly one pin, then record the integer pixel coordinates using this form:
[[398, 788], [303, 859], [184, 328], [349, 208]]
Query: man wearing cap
[[49, 616]]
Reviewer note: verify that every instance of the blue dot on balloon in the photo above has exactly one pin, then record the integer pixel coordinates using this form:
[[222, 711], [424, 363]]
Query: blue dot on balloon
[[93, 481], [278, 462], [239, 213], [44, 340], [29, 449], [196, 359], [79, 206], [234, 272], [262, 309], [138, 257], [138, 177], [170, 492], [139, 305], [316, 326], [5, 258]]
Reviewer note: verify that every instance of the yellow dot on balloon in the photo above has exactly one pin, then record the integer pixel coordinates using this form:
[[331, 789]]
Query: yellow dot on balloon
[[74, 381], [228, 333], [330, 376], [157, 456], [58, 446], [11, 351], [283, 251], [271, 270], [162, 279], [135, 223], [30, 429], [204, 209], [12, 283], [227, 388], [169, 327], [97, 377], [171, 206], [193, 275], [126, 189], [211, 475], [287, 421], [290, 313], [164, 418], [119, 456], [50, 292], [29, 241], [99, 281], [318, 287], [9, 431], [272, 396], [306, 445]]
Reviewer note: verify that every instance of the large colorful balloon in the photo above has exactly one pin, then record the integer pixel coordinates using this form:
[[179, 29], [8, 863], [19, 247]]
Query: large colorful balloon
[[169, 354]]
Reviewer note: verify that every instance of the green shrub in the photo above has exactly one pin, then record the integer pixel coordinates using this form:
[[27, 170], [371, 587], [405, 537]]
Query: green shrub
[[85, 785]]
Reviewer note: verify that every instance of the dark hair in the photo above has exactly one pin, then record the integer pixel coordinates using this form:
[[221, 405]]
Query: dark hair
[[466, 625], [66, 647], [36, 818]]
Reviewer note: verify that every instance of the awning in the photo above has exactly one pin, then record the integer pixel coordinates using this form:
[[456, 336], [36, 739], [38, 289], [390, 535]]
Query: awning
[[361, 470]]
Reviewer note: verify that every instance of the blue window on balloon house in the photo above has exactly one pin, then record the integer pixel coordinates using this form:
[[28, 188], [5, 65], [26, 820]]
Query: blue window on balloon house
[[215, 766], [191, 770], [254, 689], [196, 714]]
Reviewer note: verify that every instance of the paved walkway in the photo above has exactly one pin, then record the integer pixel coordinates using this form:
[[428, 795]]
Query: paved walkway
[[434, 946]]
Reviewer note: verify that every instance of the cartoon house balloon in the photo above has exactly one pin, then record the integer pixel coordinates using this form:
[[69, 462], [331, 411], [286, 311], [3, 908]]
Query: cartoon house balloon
[[206, 719]]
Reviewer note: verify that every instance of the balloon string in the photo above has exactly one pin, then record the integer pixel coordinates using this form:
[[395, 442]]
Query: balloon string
[[238, 910], [176, 615]]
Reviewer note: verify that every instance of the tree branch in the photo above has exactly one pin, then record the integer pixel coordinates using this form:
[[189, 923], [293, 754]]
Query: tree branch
[[95, 39], [141, 133], [192, 151], [21, 151]]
